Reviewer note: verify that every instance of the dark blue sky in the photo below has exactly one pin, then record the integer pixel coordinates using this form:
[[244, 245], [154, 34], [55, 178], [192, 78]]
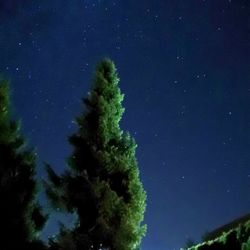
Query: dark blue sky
[[184, 68]]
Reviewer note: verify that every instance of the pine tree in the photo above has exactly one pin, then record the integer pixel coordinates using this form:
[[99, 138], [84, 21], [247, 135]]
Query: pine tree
[[102, 184], [20, 215]]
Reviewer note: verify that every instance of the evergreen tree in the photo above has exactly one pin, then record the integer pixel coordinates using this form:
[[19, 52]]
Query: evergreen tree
[[20, 215], [102, 184]]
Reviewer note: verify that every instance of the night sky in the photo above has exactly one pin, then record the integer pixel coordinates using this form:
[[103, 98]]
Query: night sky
[[184, 67]]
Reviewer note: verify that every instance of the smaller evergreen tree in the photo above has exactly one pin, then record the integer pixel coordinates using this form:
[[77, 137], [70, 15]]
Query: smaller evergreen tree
[[20, 215], [102, 184]]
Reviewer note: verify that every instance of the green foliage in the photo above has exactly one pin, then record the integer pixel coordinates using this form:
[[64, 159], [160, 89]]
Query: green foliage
[[20, 215], [237, 239], [246, 245], [102, 184]]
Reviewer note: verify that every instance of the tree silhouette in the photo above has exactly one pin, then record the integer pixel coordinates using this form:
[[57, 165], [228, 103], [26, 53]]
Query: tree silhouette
[[20, 215]]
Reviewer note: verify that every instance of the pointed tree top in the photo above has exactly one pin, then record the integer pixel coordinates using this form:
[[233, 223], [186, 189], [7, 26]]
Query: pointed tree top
[[106, 70]]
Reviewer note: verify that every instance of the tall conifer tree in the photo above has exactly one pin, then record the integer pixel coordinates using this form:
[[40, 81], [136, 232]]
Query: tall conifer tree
[[102, 183], [20, 215]]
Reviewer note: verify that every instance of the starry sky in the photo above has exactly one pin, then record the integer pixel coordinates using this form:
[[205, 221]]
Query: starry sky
[[184, 68]]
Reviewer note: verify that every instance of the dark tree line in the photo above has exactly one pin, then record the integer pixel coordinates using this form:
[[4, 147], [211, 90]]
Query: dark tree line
[[20, 215], [101, 184], [237, 238]]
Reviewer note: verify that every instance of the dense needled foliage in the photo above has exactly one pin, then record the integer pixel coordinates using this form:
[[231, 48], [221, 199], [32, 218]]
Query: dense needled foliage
[[102, 185], [20, 215]]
